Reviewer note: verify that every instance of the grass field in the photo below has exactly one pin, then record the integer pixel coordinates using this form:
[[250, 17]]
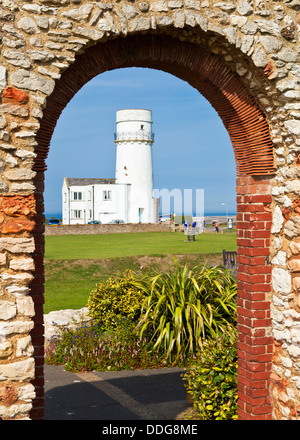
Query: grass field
[[74, 264], [90, 247]]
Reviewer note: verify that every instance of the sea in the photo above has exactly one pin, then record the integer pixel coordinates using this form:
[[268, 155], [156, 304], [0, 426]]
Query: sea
[[55, 215]]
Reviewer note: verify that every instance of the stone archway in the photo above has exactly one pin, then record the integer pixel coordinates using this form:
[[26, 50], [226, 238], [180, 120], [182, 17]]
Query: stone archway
[[247, 128], [234, 54]]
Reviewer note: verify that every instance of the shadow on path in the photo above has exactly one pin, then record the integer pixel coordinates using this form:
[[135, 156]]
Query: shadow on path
[[157, 394]]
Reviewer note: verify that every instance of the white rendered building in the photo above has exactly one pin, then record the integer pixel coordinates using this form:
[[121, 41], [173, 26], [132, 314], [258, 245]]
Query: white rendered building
[[129, 196]]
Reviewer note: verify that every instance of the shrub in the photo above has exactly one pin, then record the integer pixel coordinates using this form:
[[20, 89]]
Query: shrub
[[116, 300], [184, 308], [212, 380]]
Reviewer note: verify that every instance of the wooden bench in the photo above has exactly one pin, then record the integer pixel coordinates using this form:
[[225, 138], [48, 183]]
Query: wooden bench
[[191, 231], [229, 259]]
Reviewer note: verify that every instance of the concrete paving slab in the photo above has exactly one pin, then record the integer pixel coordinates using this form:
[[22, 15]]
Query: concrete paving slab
[[157, 394]]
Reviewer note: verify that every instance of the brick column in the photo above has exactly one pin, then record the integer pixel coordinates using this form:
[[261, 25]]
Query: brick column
[[254, 288], [37, 293]]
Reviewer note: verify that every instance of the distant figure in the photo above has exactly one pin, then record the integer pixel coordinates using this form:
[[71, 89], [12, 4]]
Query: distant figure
[[217, 225], [203, 226]]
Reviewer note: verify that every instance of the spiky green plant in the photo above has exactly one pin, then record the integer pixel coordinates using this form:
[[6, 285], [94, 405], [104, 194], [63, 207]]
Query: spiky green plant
[[185, 307]]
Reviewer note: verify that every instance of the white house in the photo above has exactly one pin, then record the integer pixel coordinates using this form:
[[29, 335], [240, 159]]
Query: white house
[[129, 196]]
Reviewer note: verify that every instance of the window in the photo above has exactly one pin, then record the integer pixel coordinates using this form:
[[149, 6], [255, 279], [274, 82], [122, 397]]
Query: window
[[90, 195], [77, 213], [90, 213], [107, 195], [77, 196]]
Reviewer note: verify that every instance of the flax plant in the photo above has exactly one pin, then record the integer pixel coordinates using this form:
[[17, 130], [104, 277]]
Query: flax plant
[[185, 307]]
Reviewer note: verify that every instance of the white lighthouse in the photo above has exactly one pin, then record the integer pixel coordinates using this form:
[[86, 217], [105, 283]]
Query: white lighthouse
[[127, 198], [134, 140]]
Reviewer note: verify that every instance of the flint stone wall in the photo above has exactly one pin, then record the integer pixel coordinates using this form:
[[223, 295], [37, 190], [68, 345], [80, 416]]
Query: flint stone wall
[[107, 229], [258, 40], [57, 321]]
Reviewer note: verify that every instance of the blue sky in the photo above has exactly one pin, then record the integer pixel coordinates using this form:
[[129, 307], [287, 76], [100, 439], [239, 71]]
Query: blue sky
[[191, 149]]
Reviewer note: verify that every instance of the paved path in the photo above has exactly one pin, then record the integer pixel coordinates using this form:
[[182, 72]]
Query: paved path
[[128, 395]]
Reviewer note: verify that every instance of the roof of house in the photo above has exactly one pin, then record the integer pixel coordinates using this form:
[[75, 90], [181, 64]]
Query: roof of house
[[87, 181]]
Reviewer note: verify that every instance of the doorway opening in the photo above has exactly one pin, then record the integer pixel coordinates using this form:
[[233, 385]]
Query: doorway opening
[[248, 131]]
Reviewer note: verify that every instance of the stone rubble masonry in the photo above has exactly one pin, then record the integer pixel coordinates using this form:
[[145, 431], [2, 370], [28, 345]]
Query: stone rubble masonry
[[56, 321], [117, 228], [243, 56], [16, 307]]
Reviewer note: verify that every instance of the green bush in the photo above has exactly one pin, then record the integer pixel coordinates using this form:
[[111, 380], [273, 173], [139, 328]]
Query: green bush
[[212, 381], [184, 308], [116, 300]]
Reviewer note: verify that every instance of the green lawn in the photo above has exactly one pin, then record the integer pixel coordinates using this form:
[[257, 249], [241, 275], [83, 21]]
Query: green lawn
[[90, 247], [75, 264]]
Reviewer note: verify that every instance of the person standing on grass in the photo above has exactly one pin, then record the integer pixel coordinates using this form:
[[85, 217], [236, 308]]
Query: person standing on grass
[[217, 225], [203, 226]]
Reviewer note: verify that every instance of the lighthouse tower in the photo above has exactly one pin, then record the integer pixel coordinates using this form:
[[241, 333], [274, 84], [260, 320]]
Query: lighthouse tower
[[134, 139]]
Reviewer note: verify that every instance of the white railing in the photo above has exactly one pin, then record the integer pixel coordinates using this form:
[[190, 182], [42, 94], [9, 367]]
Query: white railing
[[140, 135]]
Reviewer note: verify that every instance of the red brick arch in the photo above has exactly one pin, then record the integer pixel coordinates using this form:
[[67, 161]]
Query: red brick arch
[[249, 134], [245, 123]]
